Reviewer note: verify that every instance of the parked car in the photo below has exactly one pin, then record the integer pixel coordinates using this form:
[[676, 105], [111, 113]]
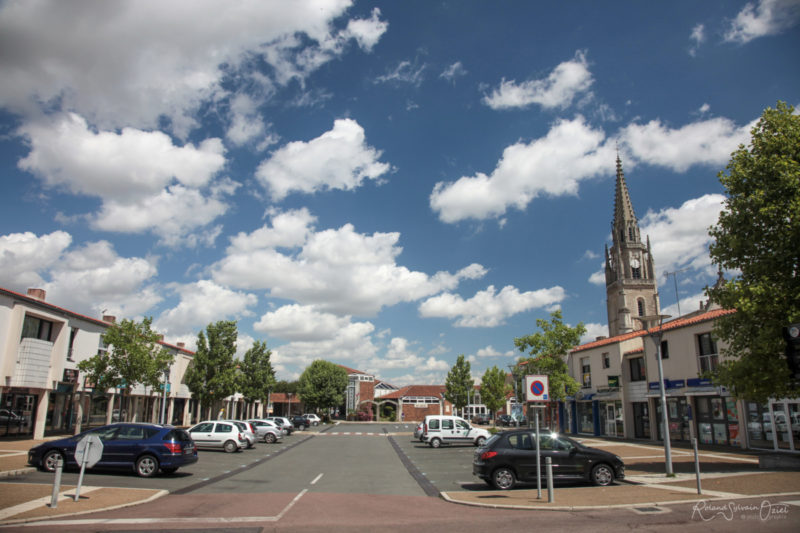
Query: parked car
[[418, 432], [146, 448], [483, 419], [218, 434], [9, 417], [510, 457], [313, 419], [300, 422], [282, 422], [510, 421], [446, 429], [267, 430], [247, 430]]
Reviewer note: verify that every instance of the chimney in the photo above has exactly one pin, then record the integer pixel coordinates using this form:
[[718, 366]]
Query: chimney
[[181, 345], [109, 318], [39, 294], [600, 338]]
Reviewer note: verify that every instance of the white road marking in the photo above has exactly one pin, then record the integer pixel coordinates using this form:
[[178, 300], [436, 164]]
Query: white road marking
[[317, 479], [177, 520]]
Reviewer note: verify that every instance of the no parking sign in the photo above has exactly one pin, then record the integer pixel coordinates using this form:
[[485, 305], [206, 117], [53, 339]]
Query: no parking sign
[[536, 389]]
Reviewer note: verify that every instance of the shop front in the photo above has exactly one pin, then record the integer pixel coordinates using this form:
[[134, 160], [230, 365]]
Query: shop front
[[774, 426], [17, 412]]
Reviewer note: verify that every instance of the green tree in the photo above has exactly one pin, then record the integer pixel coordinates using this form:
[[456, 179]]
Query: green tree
[[547, 350], [494, 390], [322, 385], [134, 357], [459, 383], [285, 386], [211, 376], [757, 236], [256, 375]]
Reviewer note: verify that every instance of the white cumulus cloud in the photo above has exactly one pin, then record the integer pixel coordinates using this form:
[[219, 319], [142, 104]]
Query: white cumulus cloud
[[489, 308], [337, 159], [767, 17], [557, 90]]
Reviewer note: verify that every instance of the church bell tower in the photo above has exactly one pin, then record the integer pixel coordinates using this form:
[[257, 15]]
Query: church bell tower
[[631, 288]]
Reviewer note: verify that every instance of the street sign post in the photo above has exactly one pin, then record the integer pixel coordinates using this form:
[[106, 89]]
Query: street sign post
[[537, 388], [87, 453]]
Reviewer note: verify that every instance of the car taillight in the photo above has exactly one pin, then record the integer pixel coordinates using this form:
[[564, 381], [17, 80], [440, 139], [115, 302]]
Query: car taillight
[[487, 455], [241, 437], [173, 447]]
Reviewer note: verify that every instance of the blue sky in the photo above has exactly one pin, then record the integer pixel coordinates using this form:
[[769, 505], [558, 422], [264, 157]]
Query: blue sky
[[385, 186]]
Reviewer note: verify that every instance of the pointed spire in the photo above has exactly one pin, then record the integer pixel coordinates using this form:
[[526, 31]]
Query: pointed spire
[[623, 208]]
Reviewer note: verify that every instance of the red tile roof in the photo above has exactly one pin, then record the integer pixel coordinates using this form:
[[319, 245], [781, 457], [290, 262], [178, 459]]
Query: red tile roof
[[673, 324], [416, 390]]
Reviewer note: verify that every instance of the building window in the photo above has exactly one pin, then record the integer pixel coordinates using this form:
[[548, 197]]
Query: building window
[[664, 350], [708, 357], [640, 306], [606, 361], [36, 328], [637, 369], [586, 372]]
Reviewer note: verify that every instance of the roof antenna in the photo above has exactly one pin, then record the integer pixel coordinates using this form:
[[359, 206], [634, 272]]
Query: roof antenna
[[675, 279]]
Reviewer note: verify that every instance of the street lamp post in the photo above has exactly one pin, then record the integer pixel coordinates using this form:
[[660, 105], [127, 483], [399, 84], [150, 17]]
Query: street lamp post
[[516, 395], [164, 396], [656, 335]]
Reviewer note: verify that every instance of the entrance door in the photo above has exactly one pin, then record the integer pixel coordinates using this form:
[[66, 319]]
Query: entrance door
[[641, 420], [611, 417]]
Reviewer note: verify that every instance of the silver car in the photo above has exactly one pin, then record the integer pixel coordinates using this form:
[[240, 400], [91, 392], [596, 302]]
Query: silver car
[[218, 434], [267, 430], [283, 422], [247, 429]]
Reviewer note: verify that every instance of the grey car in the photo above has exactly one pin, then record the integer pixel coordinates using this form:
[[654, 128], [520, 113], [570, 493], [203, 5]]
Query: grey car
[[267, 430]]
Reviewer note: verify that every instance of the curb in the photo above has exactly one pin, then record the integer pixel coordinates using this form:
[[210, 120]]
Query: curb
[[17, 472], [46, 519]]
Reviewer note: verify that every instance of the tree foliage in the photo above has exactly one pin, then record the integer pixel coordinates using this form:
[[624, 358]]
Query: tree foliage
[[494, 389], [547, 350], [256, 375], [757, 237], [459, 383], [322, 385], [211, 376], [134, 357]]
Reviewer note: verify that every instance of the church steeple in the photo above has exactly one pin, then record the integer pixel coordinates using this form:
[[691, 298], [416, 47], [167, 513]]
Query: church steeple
[[631, 288]]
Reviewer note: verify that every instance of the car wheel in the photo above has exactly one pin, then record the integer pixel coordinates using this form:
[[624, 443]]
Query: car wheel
[[602, 475], [269, 438], [480, 441], [146, 466], [503, 478], [50, 460], [316, 424], [436, 443], [230, 446], [170, 470], [250, 444]]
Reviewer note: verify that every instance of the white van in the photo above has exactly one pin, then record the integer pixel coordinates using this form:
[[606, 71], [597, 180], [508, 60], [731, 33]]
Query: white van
[[444, 429]]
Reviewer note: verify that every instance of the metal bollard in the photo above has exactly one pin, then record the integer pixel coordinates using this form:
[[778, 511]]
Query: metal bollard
[[548, 461], [57, 483], [697, 466]]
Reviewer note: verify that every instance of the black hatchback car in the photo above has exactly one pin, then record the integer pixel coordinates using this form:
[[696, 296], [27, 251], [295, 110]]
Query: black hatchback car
[[510, 457], [145, 448]]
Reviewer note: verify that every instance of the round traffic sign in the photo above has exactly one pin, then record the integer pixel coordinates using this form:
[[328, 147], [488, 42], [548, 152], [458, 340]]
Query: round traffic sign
[[537, 388], [89, 449]]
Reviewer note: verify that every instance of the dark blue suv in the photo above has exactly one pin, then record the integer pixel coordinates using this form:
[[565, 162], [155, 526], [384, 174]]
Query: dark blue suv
[[144, 447]]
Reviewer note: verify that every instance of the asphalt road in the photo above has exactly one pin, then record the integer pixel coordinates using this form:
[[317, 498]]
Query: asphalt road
[[351, 477]]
